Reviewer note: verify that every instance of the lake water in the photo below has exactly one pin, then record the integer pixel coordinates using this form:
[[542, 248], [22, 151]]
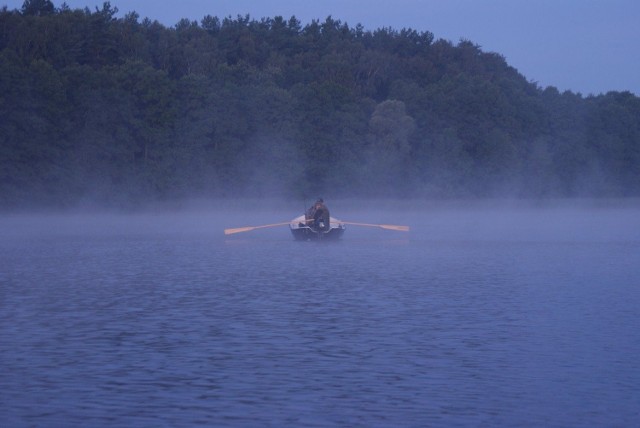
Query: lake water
[[485, 314]]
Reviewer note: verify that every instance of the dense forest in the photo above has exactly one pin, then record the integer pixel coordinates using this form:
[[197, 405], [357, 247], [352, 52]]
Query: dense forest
[[96, 108]]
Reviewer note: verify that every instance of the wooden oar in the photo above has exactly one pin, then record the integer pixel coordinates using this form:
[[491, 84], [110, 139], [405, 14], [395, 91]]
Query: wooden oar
[[384, 226], [248, 228]]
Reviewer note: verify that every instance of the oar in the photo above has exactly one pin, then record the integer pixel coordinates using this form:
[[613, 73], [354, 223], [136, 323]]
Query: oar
[[248, 228], [384, 226]]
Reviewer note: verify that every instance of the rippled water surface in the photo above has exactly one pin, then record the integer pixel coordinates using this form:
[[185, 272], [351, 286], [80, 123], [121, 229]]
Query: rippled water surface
[[479, 316]]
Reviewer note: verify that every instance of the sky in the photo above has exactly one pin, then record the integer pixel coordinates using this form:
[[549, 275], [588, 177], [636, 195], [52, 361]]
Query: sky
[[584, 46]]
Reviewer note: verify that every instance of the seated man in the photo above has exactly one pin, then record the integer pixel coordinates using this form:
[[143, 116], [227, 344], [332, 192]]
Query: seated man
[[318, 216]]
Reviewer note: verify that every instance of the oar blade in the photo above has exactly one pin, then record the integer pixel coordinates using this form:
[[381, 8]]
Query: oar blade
[[237, 230], [383, 226], [395, 227], [248, 228]]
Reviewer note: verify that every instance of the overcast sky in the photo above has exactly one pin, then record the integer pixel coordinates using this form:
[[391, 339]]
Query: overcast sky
[[586, 46]]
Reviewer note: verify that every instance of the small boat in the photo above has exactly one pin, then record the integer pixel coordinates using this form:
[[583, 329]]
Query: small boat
[[302, 231]]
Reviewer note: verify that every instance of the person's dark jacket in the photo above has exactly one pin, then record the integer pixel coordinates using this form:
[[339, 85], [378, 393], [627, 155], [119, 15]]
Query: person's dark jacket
[[320, 213]]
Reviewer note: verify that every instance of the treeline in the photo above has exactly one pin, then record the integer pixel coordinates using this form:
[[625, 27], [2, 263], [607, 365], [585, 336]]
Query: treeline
[[114, 110]]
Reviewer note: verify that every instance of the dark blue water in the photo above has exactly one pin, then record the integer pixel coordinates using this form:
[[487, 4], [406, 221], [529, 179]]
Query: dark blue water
[[479, 316]]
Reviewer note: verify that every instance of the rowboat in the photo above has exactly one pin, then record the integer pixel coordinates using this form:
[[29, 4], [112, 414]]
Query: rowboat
[[303, 231]]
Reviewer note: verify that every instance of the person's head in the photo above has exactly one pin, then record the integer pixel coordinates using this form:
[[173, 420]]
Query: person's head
[[319, 201]]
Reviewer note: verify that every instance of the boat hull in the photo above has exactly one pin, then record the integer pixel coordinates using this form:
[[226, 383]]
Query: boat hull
[[303, 232]]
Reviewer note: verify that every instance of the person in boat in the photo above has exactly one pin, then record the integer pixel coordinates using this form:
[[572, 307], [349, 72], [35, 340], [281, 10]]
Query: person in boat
[[318, 216]]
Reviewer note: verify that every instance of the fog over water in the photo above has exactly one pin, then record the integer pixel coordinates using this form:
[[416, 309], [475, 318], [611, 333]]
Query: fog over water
[[485, 313]]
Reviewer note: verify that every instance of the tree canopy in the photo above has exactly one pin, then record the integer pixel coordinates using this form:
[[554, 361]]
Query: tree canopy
[[99, 108]]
